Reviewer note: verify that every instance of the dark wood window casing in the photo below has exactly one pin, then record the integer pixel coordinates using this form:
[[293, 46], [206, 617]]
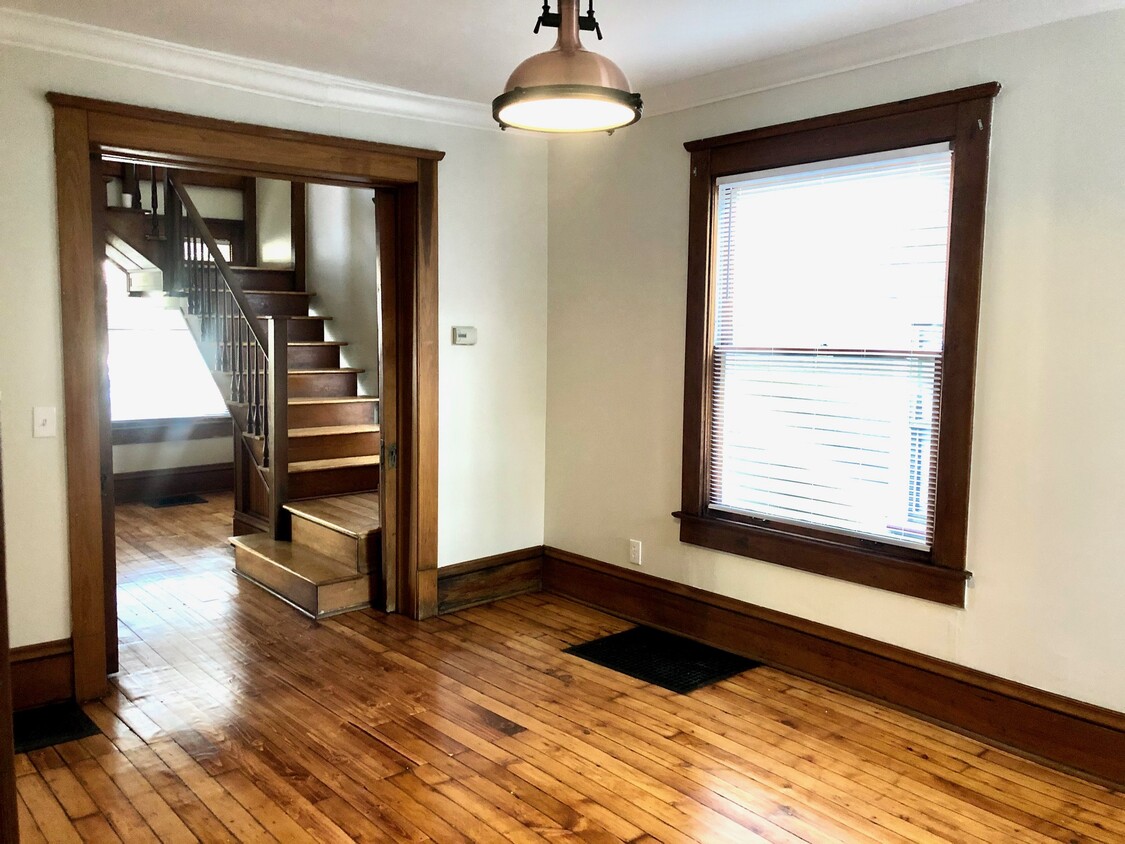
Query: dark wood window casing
[[963, 118]]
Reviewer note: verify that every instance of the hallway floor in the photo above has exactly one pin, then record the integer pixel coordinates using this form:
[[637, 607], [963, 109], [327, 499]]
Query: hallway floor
[[234, 718]]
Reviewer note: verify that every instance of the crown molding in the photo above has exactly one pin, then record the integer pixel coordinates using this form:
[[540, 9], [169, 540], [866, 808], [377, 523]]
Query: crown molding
[[959, 25], [94, 43]]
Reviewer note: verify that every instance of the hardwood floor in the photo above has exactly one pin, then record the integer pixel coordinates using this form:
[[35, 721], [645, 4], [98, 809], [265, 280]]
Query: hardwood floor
[[234, 718]]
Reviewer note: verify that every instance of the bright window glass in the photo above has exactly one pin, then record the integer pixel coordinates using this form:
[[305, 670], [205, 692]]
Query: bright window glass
[[155, 368], [827, 343]]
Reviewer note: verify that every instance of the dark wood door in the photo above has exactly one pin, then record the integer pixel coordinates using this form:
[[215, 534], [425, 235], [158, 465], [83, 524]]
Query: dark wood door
[[9, 828]]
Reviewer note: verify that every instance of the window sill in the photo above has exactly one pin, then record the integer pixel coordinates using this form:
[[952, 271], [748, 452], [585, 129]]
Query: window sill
[[866, 567], [132, 431]]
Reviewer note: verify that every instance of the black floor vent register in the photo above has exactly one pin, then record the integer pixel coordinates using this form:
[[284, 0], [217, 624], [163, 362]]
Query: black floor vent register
[[663, 659], [50, 725]]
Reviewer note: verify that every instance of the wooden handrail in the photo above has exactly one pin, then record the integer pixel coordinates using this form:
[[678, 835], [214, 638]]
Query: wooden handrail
[[225, 271]]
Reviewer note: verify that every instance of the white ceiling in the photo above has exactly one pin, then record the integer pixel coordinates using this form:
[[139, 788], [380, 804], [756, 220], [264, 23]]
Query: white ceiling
[[677, 53], [466, 50]]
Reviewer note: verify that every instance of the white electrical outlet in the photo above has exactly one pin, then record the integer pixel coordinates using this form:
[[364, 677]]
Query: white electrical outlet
[[635, 551]]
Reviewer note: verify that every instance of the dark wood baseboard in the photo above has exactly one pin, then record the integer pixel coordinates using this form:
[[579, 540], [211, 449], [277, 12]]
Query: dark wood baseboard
[[246, 523], [1064, 733], [159, 483], [489, 579], [42, 674], [134, 431]]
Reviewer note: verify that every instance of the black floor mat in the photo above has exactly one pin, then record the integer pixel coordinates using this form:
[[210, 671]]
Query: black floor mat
[[48, 725], [175, 501], [663, 659]]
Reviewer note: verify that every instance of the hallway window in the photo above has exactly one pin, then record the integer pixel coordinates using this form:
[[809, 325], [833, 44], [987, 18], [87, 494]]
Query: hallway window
[[155, 368]]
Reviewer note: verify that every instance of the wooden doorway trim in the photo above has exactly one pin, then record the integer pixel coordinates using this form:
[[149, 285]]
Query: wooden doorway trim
[[85, 127], [9, 825]]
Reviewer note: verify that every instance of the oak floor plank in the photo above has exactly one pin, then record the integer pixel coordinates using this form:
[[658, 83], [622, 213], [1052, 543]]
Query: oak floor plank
[[28, 829], [234, 718], [45, 810]]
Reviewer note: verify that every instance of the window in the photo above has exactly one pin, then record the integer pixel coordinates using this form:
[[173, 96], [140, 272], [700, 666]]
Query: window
[[155, 368], [834, 277]]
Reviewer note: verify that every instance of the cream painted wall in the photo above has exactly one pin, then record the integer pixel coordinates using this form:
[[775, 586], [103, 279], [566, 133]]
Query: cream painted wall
[[492, 268], [275, 223], [342, 270], [1045, 607]]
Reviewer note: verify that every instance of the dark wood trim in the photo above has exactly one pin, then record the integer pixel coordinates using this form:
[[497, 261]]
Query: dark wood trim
[[424, 418], [1064, 733], [391, 332], [488, 579], [193, 121], [298, 231], [831, 559], [133, 431], [250, 220], [162, 138], [159, 483], [964, 119], [827, 121], [83, 344], [42, 674], [277, 389], [9, 827], [109, 539]]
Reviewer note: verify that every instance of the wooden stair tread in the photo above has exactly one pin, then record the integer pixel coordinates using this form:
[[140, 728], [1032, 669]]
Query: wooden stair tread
[[330, 430], [326, 370], [333, 463], [297, 316], [278, 292], [332, 399], [262, 269], [303, 562], [317, 343], [353, 515]]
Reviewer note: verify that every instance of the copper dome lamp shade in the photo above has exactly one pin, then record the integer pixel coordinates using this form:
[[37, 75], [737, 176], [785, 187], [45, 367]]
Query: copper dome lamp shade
[[567, 89]]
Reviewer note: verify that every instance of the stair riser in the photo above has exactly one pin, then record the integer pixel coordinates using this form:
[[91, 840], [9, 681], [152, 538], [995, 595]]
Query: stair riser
[[265, 279], [312, 385], [268, 304], [337, 413], [323, 448], [308, 330], [317, 601], [341, 481], [313, 357], [333, 445], [324, 540]]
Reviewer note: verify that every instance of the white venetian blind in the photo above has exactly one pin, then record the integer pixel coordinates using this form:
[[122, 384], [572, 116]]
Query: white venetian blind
[[827, 346]]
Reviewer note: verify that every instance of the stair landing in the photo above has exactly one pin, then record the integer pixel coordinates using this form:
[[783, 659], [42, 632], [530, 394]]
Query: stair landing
[[331, 563]]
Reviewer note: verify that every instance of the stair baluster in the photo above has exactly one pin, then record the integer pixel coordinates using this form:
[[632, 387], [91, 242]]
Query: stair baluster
[[237, 343]]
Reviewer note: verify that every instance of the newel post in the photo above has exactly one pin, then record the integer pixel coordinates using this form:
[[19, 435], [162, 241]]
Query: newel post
[[277, 436]]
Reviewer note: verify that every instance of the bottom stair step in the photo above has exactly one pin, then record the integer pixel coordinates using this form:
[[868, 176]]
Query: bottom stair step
[[315, 584]]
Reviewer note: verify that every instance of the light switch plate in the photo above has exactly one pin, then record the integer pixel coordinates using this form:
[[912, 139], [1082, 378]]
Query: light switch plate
[[44, 422], [464, 335]]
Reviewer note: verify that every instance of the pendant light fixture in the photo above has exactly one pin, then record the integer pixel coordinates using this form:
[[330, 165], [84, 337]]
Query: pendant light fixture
[[568, 88]]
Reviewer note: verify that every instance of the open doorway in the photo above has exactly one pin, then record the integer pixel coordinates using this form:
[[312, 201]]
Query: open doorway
[[192, 303], [247, 341]]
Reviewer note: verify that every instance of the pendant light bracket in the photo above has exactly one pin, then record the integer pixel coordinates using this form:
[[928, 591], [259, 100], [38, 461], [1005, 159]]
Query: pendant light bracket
[[586, 22]]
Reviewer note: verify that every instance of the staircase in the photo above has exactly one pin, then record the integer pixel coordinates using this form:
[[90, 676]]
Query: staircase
[[307, 443]]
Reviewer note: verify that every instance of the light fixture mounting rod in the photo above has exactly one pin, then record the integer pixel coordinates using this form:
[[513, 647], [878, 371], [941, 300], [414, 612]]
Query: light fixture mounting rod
[[586, 22]]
